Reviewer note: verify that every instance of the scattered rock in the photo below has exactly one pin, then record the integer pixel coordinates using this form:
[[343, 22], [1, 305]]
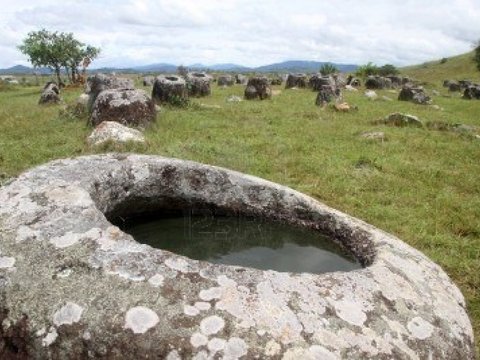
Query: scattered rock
[[472, 92], [198, 84], [296, 80], [276, 81], [115, 132], [372, 95], [209, 106], [148, 81], [325, 95], [374, 135], [169, 89], [353, 81], [276, 92], [396, 81], [317, 81], [234, 98], [100, 82], [378, 82], [401, 120], [416, 95], [436, 92], [454, 86], [225, 80], [50, 94], [342, 107], [127, 107], [458, 128], [241, 79], [350, 88], [258, 87]]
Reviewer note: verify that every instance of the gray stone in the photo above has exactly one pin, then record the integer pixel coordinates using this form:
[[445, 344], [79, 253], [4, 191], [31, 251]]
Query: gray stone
[[316, 82], [111, 131], [378, 82], [148, 80], [50, 94], [234, 98], [372, 95], [169, 89], [374, 135], [325, 95], [225, 80], [100, 82], [127, 107], [241, 79], [198, 84], [72, 285], [296, 81], [414, 94], [258, 87], [401, 120], [472, 92]]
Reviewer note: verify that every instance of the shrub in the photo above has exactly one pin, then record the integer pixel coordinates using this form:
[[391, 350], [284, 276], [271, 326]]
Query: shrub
[[443, 61], [327, 69], [367, 70], [388, 69]]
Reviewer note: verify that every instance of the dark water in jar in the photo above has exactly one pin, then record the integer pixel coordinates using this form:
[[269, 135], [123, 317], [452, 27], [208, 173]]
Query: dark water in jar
[[243, 241]]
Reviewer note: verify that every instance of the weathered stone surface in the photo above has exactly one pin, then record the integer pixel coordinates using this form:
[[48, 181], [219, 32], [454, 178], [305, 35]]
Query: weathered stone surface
[[114, 132], [225, 80], [169, 89], [372, 95], [414, 94], [241, 79], [296, 80], [198, 84], [100, 82], [353, 81], [73, 286], [400, 120], [277, 80], [258, 87], [234, 99], [378, 82], [50, 94], [396, 81], [472, 92], [316, 82], [374, 135], [127, 107], [148, 80], [454, 86], [325, 95]]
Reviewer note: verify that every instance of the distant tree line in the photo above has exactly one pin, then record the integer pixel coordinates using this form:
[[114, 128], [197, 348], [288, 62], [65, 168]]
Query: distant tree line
[[372, 69], [58, 50]]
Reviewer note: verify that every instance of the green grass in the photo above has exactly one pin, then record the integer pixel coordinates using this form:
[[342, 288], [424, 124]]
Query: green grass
[[461, 67], [420, 185]]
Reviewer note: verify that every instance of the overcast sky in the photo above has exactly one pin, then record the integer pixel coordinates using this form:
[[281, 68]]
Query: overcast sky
[[249, 32]]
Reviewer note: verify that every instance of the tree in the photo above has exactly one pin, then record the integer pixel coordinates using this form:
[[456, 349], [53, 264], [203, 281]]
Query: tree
[[56, 50], [327, 69], [477, 55], [387, 69]]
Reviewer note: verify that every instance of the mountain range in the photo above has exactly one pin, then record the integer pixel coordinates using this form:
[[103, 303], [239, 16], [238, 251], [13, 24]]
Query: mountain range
[[286, 66]]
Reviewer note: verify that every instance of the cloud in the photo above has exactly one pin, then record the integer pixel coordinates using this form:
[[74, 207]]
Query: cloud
[[249, 32]]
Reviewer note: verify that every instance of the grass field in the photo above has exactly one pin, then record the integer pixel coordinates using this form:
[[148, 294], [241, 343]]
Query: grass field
[[421, 185]]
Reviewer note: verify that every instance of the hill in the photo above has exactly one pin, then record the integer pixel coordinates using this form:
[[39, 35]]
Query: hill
[[460, 67], [302, 66]]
